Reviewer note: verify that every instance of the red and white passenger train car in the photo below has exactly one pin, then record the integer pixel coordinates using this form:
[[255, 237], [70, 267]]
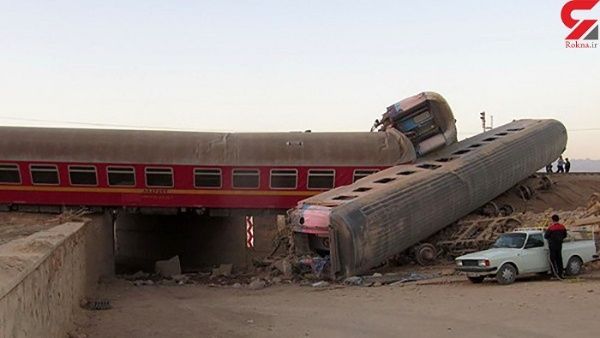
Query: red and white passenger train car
[[164, 169]]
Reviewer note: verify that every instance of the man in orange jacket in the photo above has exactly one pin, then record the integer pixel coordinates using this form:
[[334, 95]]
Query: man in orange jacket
[[555, 234]]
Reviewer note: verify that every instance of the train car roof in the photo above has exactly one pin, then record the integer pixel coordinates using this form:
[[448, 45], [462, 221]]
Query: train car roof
[[198, 148], [406, 175]]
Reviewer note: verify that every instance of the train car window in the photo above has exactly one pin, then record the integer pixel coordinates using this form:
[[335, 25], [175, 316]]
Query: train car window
[[362, 173], [344, 198], [207, 178], [9, 174], [159, 177], [321, 178], [44, 174], [406, 173], [83, 175], [121, 176], [284, 178], [429, 166], [246, 178]]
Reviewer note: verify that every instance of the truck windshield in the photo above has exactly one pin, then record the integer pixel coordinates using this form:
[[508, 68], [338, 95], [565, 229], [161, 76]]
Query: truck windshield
[[512, 241]]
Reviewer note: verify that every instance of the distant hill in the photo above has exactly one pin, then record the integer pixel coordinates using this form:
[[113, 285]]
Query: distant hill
[[584, 165]]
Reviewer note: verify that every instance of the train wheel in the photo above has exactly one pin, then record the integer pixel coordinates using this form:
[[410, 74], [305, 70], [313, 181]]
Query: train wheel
[[546, 183], [490, 210], [506, 210], [425, 254]]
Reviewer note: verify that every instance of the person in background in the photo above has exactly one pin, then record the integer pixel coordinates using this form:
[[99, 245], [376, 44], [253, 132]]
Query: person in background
[[567, 165], [560, 165], [549, 168], [555, 234]]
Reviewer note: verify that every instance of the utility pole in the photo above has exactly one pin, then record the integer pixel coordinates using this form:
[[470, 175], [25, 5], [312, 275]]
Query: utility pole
[[484, 125]]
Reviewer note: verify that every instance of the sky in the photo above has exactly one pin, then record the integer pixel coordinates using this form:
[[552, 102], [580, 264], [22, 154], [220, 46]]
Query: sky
[[283, 65]]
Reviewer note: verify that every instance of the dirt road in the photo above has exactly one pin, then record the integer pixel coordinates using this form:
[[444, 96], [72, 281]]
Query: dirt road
[[533, 308]]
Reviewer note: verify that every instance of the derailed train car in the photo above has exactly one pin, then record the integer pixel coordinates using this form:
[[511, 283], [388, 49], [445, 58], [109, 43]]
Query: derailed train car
[[182, 171], [382, 215]]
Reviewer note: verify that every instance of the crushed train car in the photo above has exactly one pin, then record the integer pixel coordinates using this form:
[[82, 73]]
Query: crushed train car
[[382, 215]]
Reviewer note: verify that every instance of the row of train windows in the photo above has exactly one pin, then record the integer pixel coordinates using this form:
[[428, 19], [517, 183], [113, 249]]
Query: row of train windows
[[163, 177]]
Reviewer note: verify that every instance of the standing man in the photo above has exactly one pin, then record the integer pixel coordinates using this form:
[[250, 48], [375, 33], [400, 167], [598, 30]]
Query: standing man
[[555, 234], [567, 165], [549, 168], [560, 165]]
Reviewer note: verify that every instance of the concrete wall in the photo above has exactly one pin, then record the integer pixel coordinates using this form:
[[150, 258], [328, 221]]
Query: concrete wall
[[44, 277], [200, 241]]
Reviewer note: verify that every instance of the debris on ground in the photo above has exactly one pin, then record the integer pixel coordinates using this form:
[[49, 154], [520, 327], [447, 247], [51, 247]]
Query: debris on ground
[[320, 284], [142, 282], [257, 284], [95, 304], [222, 270], [354, 281], [180, 279], [392, 278], [284, 266], [137, 276], [168, 268], [472, 233]]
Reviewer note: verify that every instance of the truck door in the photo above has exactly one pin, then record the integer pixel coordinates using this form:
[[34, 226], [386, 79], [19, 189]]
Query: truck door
[[534, 256]]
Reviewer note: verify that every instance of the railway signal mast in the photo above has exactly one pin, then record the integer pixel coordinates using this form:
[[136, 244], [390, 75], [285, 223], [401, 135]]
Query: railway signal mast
[[483, 122]]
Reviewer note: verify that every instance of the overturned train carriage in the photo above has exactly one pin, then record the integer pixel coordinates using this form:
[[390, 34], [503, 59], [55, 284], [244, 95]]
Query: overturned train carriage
[[380, 216]]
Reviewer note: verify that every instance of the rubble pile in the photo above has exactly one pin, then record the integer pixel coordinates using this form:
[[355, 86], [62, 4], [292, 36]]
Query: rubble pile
[[474, 233], [303, 271]]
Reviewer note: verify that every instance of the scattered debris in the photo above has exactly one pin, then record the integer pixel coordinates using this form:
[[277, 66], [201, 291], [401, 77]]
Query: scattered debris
[[180, 279], [257, 284], [168, 268], [95, 304], [354, 280], [143, 282], [321, 284], [136, 276], [222, 270], [472, 235], [284, 266], [448, 272]]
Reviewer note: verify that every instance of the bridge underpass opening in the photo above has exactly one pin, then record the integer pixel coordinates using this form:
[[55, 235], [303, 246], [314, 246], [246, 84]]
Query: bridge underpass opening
[[200, 241]]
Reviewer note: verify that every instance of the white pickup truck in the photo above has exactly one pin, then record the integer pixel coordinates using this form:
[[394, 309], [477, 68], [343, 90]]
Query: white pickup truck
[[523, 252]]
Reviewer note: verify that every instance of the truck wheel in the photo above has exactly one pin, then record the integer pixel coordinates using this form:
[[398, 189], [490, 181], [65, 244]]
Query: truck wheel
[[574, 266], [506, 274], [476, 280]]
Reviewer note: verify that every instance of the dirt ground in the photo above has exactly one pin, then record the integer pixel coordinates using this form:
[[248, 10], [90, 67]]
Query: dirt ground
[[15, 225], [447, 307]]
